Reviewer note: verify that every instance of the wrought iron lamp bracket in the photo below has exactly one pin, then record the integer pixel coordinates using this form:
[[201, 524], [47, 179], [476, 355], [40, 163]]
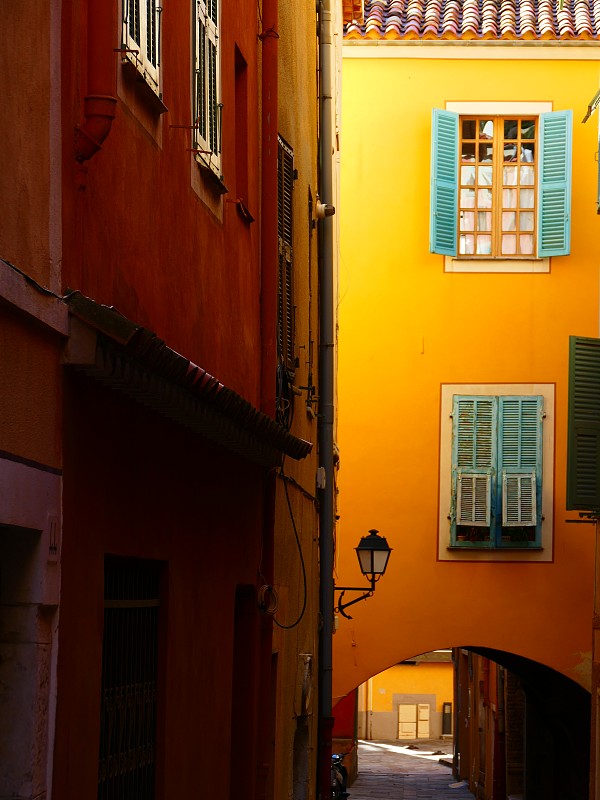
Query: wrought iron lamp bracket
[[367, 592]]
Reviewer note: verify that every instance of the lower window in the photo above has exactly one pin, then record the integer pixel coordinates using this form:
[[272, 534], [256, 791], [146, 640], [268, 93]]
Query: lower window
[[129, 680], [496, 471]]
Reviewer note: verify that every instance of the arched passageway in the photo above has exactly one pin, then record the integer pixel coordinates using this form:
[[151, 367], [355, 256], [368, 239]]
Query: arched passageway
[[519, 728]]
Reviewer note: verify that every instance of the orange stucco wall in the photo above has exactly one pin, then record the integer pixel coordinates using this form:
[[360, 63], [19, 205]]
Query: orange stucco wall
[[407, 327]]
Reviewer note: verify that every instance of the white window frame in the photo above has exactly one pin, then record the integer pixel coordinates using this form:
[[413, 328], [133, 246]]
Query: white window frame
[[521, 265], [447, 553], [207, 142], [136, 53]]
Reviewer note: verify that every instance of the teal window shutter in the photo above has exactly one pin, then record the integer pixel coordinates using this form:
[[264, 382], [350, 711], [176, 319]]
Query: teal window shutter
[[554, 224], [583, 445], [444, 182], [473, 460], [520, 460]]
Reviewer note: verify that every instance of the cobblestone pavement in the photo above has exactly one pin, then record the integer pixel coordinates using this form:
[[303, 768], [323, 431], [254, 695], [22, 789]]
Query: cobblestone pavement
[[407, 771]]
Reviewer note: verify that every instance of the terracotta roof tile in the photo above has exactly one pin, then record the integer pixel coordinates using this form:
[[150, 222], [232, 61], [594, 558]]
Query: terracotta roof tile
[[473, 19], [131, 359]]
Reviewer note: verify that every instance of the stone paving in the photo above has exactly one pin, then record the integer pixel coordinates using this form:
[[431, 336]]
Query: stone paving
[[407, 771]]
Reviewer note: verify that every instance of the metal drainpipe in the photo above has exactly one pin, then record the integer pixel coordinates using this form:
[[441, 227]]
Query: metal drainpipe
[[265, 731], [100, 102], [269, 253], [326, 400]]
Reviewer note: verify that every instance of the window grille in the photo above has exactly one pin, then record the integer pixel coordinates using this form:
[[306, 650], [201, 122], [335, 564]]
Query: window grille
[[129, 680]]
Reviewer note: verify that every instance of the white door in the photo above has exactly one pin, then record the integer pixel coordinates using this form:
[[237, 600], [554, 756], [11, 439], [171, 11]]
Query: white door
[[407, 721], [423, 721]]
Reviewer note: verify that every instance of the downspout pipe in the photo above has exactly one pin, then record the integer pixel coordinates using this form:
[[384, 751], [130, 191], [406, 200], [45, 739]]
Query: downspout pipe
[[326, 398], [99, 105], [265, 730], [269, 248]]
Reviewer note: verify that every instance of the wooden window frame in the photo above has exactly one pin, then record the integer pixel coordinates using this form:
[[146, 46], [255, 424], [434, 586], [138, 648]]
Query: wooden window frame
[[207, 107], [498, 143], [136, 53]]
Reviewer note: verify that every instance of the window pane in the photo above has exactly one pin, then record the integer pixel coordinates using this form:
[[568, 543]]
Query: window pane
[[468, 151], [486, 152], [484, 176], [135, 21], [484, 221], [467, 198], [510, 175], [526, 220], [509, 244], [510, 152], [467, 175], [509, 198], [528, 128], [467, 221], [484, 245], [527, 176], [486, 129], [467, 245], [526, 244], [510, 128], [527, 198], [509, 220], [484, 198], [468, 129], [528, 153]]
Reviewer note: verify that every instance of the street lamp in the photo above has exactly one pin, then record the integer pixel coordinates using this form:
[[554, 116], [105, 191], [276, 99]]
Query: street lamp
[[373, 554]]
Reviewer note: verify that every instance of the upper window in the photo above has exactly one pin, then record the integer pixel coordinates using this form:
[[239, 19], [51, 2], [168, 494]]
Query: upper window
[[501, 185], [496, 204], [207, 104], [496, 471], [141, 39]]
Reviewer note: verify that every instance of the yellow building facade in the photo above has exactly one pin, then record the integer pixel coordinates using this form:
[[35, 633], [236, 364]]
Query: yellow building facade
[[408, 701], [482, 325]]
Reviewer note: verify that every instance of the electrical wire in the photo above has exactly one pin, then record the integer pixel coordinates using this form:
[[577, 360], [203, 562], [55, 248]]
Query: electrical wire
[[303, 565], [38, 286]]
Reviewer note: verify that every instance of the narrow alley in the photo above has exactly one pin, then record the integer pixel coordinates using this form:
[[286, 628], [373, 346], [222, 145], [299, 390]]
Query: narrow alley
[[412, 771]]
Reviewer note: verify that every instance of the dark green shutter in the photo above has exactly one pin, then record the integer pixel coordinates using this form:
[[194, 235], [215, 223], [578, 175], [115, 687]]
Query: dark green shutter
[[583, 446], [554, 229], [285, 311], [444, 182]]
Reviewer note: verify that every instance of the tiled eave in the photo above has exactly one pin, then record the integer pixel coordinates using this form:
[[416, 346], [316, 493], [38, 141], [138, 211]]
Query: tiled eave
[[478, 20], [131, 359]]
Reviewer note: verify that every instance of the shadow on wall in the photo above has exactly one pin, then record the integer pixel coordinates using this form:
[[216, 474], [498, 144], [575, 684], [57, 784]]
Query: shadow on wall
[[557, 729]]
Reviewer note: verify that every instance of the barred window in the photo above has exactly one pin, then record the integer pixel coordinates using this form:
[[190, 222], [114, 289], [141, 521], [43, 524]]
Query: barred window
[[129, 680]]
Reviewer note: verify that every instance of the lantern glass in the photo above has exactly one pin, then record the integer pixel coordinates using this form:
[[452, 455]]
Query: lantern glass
[[373, 553]]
